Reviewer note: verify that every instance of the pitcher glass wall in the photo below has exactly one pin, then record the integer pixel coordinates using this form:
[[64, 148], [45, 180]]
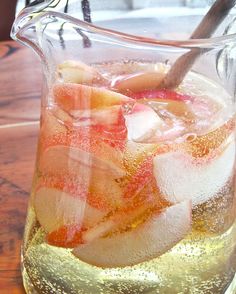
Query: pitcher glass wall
[[133, 190]]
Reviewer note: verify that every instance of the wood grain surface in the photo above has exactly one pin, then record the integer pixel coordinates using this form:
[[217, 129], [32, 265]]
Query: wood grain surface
[[20, 85]]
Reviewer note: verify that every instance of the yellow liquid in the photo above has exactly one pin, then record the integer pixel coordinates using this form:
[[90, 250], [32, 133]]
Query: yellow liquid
[[197, 264], [203, 262]]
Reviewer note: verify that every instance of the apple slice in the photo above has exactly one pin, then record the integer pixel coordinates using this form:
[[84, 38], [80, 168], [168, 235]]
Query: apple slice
[[99, 177], [142, 122], [180, 176], [71, 97], [103, 116], [129, 215], [54, 121], [107, 123], [78, 72], [62, 158], [159, 233], [55, 208], [138, 81]]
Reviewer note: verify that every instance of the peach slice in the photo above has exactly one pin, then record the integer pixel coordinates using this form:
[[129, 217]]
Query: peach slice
[[71, 97], [62, 158], [122, 218], [97, 175], [54, 121], [180, 176], [129, 215], [55, 208], [142, 122], [167, 108], [159, 233], [104, 116], [83, 186], [78, 72], [138, 82]]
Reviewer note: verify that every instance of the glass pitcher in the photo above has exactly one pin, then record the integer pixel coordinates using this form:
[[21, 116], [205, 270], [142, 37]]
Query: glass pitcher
[[123, 203]]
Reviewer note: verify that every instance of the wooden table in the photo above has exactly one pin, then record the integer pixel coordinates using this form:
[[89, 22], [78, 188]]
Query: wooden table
[[20, 84]]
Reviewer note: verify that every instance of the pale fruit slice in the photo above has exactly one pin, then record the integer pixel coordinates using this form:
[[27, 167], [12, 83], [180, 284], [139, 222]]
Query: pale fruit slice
[[142, 122], [148, 240], [104, 116], [180, 176], [167, 108], [138, 82], [61, 158], [55, 121], [72, 97], [55, 208], [78, 72], [128, 215]]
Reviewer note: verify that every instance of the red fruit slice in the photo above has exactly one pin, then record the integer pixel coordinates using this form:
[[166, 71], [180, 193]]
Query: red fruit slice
[[159, 233], [72, 97], [66, 236]]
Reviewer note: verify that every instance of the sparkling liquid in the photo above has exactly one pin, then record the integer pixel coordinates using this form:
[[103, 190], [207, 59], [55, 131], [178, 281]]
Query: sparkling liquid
[[184, 156]]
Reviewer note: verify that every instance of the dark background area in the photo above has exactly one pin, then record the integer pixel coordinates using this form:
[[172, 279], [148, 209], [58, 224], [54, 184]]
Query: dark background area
[[7, 15]]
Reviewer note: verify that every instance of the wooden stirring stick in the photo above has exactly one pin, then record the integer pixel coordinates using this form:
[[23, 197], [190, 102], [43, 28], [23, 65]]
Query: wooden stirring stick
[[208, 25]]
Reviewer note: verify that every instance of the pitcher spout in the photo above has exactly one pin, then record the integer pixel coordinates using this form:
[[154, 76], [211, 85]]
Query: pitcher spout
[[28, 26]]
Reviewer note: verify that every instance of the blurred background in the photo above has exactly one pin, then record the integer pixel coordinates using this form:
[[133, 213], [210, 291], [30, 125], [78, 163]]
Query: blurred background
[[107, 9]]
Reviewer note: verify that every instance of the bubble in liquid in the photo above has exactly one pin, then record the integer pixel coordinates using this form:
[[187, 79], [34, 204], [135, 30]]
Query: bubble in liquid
[[190, 137]]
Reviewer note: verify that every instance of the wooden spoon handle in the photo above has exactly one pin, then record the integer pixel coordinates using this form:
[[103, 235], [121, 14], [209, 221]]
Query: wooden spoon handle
[[205, 29]]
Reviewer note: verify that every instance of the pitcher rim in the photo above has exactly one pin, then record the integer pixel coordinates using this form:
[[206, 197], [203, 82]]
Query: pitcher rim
[[115, 34]]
